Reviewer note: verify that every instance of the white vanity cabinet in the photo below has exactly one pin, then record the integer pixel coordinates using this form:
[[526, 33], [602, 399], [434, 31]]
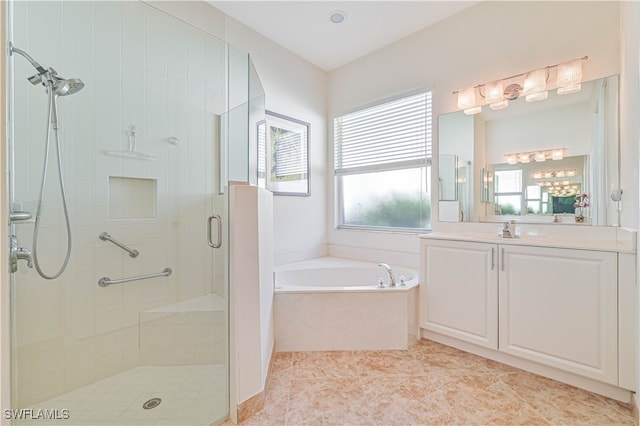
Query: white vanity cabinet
[[554, 306], [559, 307], [459, 290]]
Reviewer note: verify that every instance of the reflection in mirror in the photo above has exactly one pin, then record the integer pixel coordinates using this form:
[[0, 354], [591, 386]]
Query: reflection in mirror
[[454, 188], [530, 160], [537, 188]]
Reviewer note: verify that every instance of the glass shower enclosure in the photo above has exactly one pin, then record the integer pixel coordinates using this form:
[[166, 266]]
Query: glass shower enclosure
[[124, 169]]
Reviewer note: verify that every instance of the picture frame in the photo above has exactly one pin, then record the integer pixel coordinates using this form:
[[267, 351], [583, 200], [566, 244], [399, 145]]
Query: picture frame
[[283, 155]]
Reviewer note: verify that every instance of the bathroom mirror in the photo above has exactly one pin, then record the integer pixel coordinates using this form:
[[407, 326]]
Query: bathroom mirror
[[528, 162]]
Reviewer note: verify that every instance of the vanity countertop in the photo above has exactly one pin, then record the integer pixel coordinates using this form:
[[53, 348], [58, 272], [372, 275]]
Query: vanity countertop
[[621, 243]]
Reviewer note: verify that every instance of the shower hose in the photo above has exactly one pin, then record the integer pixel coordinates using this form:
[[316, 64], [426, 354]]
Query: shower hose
[[52, 127]]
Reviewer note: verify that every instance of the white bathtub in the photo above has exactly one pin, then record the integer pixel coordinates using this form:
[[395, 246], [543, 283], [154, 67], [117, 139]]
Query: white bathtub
[[335, 304]]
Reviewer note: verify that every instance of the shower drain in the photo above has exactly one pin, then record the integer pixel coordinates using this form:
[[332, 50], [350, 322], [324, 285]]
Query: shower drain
[[152, 403]]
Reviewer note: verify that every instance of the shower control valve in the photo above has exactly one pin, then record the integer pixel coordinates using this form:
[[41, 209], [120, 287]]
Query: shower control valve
[[17, 253]]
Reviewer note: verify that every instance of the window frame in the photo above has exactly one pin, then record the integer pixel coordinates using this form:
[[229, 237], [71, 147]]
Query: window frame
[[427, 166]]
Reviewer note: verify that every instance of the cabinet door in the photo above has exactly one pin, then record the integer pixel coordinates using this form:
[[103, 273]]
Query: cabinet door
[[559, 307], [459, 290]]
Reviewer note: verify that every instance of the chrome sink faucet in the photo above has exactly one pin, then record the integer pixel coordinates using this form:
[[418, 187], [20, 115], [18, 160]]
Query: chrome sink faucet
[[509, 230], [392, 278]]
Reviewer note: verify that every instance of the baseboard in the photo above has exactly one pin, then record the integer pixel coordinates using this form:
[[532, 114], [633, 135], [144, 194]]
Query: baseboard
[[255, 404], [251, 406], [591, 385], [634, 408]]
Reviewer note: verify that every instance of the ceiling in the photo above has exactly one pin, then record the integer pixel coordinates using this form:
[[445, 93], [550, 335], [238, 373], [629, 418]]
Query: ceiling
[[304, 27]]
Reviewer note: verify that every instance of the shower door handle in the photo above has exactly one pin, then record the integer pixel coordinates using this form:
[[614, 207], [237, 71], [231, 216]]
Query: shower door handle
[[218, 242]]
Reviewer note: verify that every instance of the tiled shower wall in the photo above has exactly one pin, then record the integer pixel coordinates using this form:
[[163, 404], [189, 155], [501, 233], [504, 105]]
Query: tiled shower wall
[[143, 68]]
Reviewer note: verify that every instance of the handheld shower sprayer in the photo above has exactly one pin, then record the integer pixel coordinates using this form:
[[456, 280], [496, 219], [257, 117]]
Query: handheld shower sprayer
[[49, 78], [55, 86]]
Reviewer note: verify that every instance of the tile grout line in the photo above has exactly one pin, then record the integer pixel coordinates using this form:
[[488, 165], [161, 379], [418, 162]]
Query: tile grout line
[[520, 397]]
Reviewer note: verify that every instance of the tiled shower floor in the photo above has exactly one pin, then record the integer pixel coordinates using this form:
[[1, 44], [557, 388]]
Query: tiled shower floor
[[428, 384], [191, 395]]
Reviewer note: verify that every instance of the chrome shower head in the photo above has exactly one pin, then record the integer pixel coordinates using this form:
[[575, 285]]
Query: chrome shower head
[[61, 86], [64, 87]]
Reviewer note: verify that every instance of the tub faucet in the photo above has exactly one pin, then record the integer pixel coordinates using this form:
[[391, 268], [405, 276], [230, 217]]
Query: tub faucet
[[392, 278]]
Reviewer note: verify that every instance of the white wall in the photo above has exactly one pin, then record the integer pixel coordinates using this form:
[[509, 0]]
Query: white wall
[[629, 133], [564, 127], [486, 42], [297, 89]]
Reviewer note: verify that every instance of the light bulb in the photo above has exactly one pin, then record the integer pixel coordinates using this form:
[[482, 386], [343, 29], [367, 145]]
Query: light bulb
[[569, 73], [535, 97], [467, 98], [557, 154], [496, 106], [473, 110], [535, 82], [567, 90], [494, 92]]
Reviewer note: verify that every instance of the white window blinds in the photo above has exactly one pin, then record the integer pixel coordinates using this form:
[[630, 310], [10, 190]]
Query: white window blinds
[[290, 152], [391, 136], [262, 150]]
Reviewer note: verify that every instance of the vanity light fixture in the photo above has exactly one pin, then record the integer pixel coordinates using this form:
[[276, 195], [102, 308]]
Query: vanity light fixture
[[535, 84], [550, 174], [557, 154], [540, 156], [467, 101], [495, 96], [537, 156], [568, 79]]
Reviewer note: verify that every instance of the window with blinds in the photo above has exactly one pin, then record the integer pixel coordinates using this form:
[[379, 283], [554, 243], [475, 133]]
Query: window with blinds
[[391, 136], [381, 165], [290, 153]]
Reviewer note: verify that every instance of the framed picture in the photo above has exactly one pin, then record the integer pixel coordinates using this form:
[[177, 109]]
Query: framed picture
[[283, 155]]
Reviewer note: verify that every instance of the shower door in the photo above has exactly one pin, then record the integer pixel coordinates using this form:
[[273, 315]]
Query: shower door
[[135, 329]]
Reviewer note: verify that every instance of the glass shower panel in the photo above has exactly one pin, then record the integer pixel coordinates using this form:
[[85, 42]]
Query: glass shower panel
[[257, 103], [141, 147], [238, 116]]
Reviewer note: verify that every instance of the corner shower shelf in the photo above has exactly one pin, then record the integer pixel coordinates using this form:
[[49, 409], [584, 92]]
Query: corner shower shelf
[[131, 152]]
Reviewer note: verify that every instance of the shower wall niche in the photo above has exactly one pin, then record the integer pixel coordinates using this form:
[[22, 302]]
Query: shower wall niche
[[170, 81], [132, 198]]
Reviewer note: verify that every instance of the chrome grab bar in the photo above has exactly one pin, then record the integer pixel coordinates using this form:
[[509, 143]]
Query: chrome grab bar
[[105, 236], [105, 281]]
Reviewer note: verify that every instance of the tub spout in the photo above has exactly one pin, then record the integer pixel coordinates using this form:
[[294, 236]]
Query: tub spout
[[392, 278]]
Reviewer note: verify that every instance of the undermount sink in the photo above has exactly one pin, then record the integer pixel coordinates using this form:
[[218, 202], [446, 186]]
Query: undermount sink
[[490, 236]]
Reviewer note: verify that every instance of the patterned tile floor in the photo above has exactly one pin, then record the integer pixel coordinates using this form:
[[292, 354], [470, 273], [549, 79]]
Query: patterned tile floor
[[428, 384]]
